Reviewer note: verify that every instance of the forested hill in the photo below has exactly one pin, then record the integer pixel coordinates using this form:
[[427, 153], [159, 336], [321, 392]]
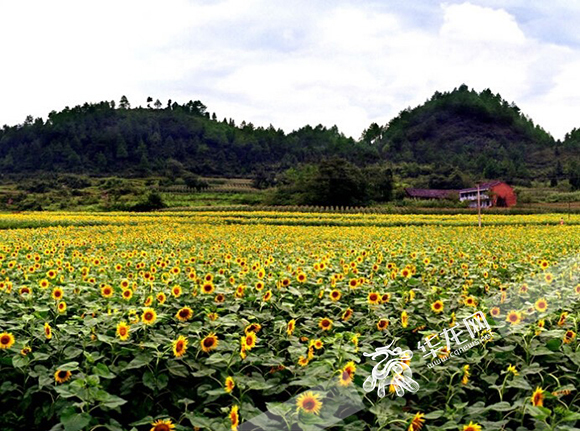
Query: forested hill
[[479, 133], [476, 132], [101, 138]]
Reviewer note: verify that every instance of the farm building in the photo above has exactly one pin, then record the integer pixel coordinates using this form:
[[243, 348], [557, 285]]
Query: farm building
[[491, 194]]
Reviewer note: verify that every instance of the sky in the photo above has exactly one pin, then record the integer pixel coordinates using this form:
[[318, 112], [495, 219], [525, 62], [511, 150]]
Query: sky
[[290, 63]]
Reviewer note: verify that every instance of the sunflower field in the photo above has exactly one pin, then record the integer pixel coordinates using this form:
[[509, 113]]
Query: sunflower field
[[247, 321]]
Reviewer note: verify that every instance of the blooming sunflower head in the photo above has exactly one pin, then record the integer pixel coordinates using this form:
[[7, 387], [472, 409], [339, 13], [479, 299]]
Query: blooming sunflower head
[[382, 324], [373, 298], [309, 402], [347, 374], [541, 305], [180, 346], [234, 417], [149, 316], [123, 331], [538, 397], [61, 376], [184, 314], [417, 422], [47, 331], [437, 306], [471, 427], [162, 425], [250, 340], [107, 291], [569, 336], [347, 314], [209, 343], [325, 324], [229, 385], [6, 340], [335, 295], [290, 327], [514, 317]]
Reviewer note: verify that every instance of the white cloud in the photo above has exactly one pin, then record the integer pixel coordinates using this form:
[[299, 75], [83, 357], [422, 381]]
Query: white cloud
[[286, 63]]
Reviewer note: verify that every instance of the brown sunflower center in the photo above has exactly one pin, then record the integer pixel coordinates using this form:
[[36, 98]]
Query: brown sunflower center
[[62, 374], [148, 316], [5, 340], [309, 404], [208, 342], [162, 427], [184, 313]]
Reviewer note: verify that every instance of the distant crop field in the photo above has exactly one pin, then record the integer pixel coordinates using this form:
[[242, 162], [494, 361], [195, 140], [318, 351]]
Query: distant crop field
[[225, 320]]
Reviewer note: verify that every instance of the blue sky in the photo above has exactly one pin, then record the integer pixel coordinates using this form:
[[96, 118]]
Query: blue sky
[[290, 63]]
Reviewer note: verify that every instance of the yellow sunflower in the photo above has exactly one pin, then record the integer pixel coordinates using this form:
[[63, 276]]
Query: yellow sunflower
[[234, 418], [382, 324], [514, 317], [107, 291], [541, 305], [290, 327], [57, 293], [230, 384], [180, 346], [47, 331], [471, 427], [62, 376], [347, 314], [176, 291], [309, 402], [404, 319], [207, 287], [325, 324], [538, 397], [417, 422], [6, 340], [250, 340], [184, 314], [347, 374], [373, 298], [209, 343], [437, 306], [335, 295], [162, 425], [149, 316], [122, 331], [569, 336], [61, 307]]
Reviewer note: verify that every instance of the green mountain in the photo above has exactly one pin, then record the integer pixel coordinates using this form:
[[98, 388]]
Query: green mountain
[[478, 135], [104, 139]]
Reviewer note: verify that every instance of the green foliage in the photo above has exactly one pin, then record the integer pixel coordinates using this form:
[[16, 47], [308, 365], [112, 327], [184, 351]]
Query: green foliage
[[335, 182], [153, 202]]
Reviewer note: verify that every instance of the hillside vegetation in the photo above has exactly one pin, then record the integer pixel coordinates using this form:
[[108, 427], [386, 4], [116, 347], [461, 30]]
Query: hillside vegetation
[[452, 139]]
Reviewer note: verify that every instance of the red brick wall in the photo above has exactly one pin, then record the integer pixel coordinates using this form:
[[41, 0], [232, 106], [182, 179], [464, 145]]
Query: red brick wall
[[505, 193]]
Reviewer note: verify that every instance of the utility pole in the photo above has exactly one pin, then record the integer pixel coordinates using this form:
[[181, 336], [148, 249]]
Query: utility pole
[[478, 207]]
